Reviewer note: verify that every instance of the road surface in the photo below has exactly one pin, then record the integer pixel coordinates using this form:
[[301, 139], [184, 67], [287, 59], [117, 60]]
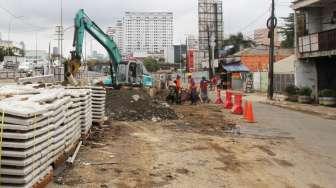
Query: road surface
[[314, 139], [284, 149]]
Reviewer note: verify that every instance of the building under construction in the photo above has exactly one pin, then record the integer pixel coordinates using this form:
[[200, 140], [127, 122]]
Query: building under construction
[[210, 22]]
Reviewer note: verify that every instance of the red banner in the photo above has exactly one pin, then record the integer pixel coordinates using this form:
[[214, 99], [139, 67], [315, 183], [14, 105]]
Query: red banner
[[191, 61]]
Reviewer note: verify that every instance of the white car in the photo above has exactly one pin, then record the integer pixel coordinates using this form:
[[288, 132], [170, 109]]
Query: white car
[[25, 67]]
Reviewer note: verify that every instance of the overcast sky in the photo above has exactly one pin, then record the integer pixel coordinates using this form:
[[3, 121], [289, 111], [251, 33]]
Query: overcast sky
[[44, 15]]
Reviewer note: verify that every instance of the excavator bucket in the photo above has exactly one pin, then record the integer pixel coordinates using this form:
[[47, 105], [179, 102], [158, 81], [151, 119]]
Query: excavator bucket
[[72, 67]]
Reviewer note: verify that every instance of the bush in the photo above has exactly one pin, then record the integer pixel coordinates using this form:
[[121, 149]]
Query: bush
[[327, 93], [151, 64], [305, 91], [291, 90]]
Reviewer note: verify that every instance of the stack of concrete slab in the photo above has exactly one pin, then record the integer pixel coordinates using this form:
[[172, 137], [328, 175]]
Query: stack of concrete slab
[[38, 79], [98, 103], [82, 98], [27, 148], [39, 126], [72, 122]]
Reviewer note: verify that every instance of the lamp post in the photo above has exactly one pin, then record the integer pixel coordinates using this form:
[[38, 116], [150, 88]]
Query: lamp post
[[10, 28], [213, 45]]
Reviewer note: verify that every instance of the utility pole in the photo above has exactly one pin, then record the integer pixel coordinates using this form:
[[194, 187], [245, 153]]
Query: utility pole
[[61, 29], [271, 24], [210, 53], [180, 58], [36, 47]]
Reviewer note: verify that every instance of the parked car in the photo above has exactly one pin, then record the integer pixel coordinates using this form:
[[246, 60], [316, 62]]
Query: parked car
[[25, 67]]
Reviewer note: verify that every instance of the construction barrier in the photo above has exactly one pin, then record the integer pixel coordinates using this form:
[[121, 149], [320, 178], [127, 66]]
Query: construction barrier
[[249, 113], [237, 107], [228, 100]]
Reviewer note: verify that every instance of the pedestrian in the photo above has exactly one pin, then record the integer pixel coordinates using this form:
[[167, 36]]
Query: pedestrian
[[204, 89], [192, 89], [178, 89]]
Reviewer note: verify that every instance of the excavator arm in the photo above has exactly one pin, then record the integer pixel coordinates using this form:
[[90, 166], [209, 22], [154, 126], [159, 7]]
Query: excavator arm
[[84, 23]]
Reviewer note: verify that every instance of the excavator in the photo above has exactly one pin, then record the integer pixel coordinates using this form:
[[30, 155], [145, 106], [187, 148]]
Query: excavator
[[122, 72]]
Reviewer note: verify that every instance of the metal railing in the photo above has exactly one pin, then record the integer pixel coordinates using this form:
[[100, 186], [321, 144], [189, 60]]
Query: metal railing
[[321, 41]]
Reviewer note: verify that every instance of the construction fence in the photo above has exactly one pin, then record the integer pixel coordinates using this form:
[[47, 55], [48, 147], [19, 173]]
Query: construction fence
[[281, 81]]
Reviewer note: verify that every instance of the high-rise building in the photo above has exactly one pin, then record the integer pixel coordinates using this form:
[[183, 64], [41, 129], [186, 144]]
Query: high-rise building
[[116, 32], [192, 42], [210, 24], [147, 32], [261, 37]]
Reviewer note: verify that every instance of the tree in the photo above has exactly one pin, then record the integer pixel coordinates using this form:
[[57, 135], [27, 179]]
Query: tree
[[5, 52], [287, 31], [151, 64], [238, 41]]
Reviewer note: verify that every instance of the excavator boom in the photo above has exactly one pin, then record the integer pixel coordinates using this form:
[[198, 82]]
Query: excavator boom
[[84, 23]]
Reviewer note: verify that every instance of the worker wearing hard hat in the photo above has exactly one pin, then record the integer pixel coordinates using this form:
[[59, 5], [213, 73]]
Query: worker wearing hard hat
[[192, 89], [178, 88]]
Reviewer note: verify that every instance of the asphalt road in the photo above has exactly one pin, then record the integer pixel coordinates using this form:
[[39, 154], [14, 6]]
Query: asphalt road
[[312, 135]]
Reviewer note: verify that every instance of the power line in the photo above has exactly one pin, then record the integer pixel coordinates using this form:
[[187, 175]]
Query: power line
[[254, 20], [20, 18]]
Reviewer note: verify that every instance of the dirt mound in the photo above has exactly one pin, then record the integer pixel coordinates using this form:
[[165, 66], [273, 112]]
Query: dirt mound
[[136, 105]]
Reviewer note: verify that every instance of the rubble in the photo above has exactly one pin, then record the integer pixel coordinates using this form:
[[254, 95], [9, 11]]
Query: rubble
[[136, 105]]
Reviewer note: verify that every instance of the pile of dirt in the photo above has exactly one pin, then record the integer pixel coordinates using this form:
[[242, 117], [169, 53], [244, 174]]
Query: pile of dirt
[[136, 105]]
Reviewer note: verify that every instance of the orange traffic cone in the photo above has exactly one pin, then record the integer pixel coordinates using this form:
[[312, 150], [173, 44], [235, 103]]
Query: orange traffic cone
[[249, 113], [245, 109]]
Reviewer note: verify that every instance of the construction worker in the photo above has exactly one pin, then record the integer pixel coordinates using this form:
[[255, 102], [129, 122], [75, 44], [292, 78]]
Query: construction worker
[[192, 89], [178, 88], [204, 89], [172, 94]]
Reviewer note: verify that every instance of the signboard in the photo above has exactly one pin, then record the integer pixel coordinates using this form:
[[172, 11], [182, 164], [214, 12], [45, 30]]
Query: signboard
[[190, 61], [205, 64]]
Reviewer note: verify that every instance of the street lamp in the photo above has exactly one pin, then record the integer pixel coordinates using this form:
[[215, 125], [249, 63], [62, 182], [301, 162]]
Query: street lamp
[[10, 27], [213, 45]]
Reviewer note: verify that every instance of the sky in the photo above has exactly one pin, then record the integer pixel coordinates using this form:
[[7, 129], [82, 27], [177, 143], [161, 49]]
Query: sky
[[35, 20]]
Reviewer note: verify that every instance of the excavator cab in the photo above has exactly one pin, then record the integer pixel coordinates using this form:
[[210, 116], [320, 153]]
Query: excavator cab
[[132, 73]]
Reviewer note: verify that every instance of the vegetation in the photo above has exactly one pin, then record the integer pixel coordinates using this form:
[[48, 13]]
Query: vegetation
[[287, 31], [327, 93], [291, 90], [238, 41], [305, 91], [151, 64], [5, 52]]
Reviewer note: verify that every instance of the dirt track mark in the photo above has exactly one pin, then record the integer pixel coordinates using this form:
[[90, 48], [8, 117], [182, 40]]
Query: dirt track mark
[[283, 163], [266, 150], [313, 185]]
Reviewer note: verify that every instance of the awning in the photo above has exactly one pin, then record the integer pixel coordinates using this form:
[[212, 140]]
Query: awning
[[235, 67]]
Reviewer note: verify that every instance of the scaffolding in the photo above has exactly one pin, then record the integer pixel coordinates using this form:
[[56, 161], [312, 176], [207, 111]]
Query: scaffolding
[[210, 22]]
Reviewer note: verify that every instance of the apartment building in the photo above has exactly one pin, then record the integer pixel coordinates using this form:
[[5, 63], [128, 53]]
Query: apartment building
[[147, 32], [315, 38]]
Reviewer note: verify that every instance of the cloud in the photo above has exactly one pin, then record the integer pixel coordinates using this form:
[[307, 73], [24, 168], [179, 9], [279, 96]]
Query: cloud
[[46, 14]]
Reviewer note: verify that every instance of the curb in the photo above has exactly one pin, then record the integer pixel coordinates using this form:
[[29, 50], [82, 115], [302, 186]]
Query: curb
[[300, 109]]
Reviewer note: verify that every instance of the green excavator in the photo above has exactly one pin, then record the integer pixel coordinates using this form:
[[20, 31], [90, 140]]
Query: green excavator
[[122, 72]]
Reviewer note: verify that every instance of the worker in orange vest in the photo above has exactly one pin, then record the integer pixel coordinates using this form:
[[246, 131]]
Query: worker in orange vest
[[192, 89], [178, 88]]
